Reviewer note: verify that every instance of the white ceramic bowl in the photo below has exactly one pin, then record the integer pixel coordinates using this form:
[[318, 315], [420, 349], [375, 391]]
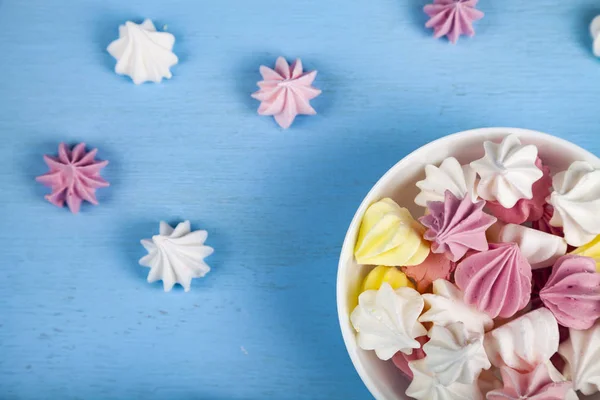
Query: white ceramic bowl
[[382, 378]]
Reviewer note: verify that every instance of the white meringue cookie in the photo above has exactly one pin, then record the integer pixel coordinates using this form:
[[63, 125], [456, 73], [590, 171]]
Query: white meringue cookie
[[524, 343], [446, 306], [176, 255], [507, 171], [386, 320], [143, 53], [576, 202], [455, 354], [541, 249], [426, 386], [582, 355], [450, 175], [595, 32]]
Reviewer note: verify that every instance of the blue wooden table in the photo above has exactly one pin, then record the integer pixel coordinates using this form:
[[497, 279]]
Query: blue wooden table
[[77, 318]]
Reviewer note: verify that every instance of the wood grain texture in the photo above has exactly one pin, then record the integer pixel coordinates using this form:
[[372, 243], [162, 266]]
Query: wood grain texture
[[79, 321]]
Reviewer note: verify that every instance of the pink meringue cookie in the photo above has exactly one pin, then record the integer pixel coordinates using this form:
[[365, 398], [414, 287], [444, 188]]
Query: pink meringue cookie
[[572, 292], [456, 225], [435, 266], [74, 177], [496, 281], [543, 224], [534, 385], [452, 18], [285, 91], [401, 360], [526, 209]]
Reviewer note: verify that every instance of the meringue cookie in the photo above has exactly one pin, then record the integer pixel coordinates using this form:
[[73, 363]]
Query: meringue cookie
[[401, 360], [446, 306], [595, 32], [582, 354], [381, 274], [450, 175], [452, 18], [143, 53], [592, 250], [176, 255], [539, 248], [435, 266], [426, 386], [497, 281], [508, 171], [389, 235], [523, 343], [455, 354], [526, 209], [572, 292], [456, 226], [531, 385], [386, 320], [576, 202]]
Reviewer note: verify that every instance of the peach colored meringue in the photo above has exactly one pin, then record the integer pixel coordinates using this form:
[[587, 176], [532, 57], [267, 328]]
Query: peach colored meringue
[[285, 92], [456, 226], [435, 266], [572, 292], [534, 385], [526, 209], [74, 177], [496, 281]]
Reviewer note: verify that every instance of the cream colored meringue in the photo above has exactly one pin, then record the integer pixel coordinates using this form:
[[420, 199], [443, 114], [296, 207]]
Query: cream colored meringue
[[450, 175], [426, 386], [595, 32], [143, 53], [176, 255], [582, 355], [446, 306], [386, 320], [507, 171], [524, 343], [455, 354], [541, 249], [576, 202]]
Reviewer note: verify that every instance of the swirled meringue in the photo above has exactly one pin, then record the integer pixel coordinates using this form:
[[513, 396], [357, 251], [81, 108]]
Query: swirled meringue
[[386, 320], [526, 209], [592, 250], [508, 171], [426, 386], [576, 202], [143, 53], [541, 249], [435, 266], [572, 292], [401, 360], [450, 175], [595, 32], [176, 255], [497, 281], [455, 354], [518, 344], [389, 235], [456, 226], [380, 274], [582, 354], [534, 385], [446, 306]]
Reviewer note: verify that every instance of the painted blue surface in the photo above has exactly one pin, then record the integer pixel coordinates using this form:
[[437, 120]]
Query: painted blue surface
[[78, 320]]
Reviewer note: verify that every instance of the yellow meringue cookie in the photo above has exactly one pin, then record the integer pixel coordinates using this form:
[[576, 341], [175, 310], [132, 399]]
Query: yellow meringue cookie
[[390, 236], [381, 274], [592, 250]]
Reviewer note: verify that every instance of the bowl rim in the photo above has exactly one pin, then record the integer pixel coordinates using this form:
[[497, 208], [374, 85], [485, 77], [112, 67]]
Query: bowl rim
[[348, 333]]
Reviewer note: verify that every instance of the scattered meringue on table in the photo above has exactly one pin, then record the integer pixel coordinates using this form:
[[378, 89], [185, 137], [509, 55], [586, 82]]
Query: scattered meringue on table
[[176, 255], [595, 32], [285, 92], [74, 177], [142, 53], [452, 18]]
